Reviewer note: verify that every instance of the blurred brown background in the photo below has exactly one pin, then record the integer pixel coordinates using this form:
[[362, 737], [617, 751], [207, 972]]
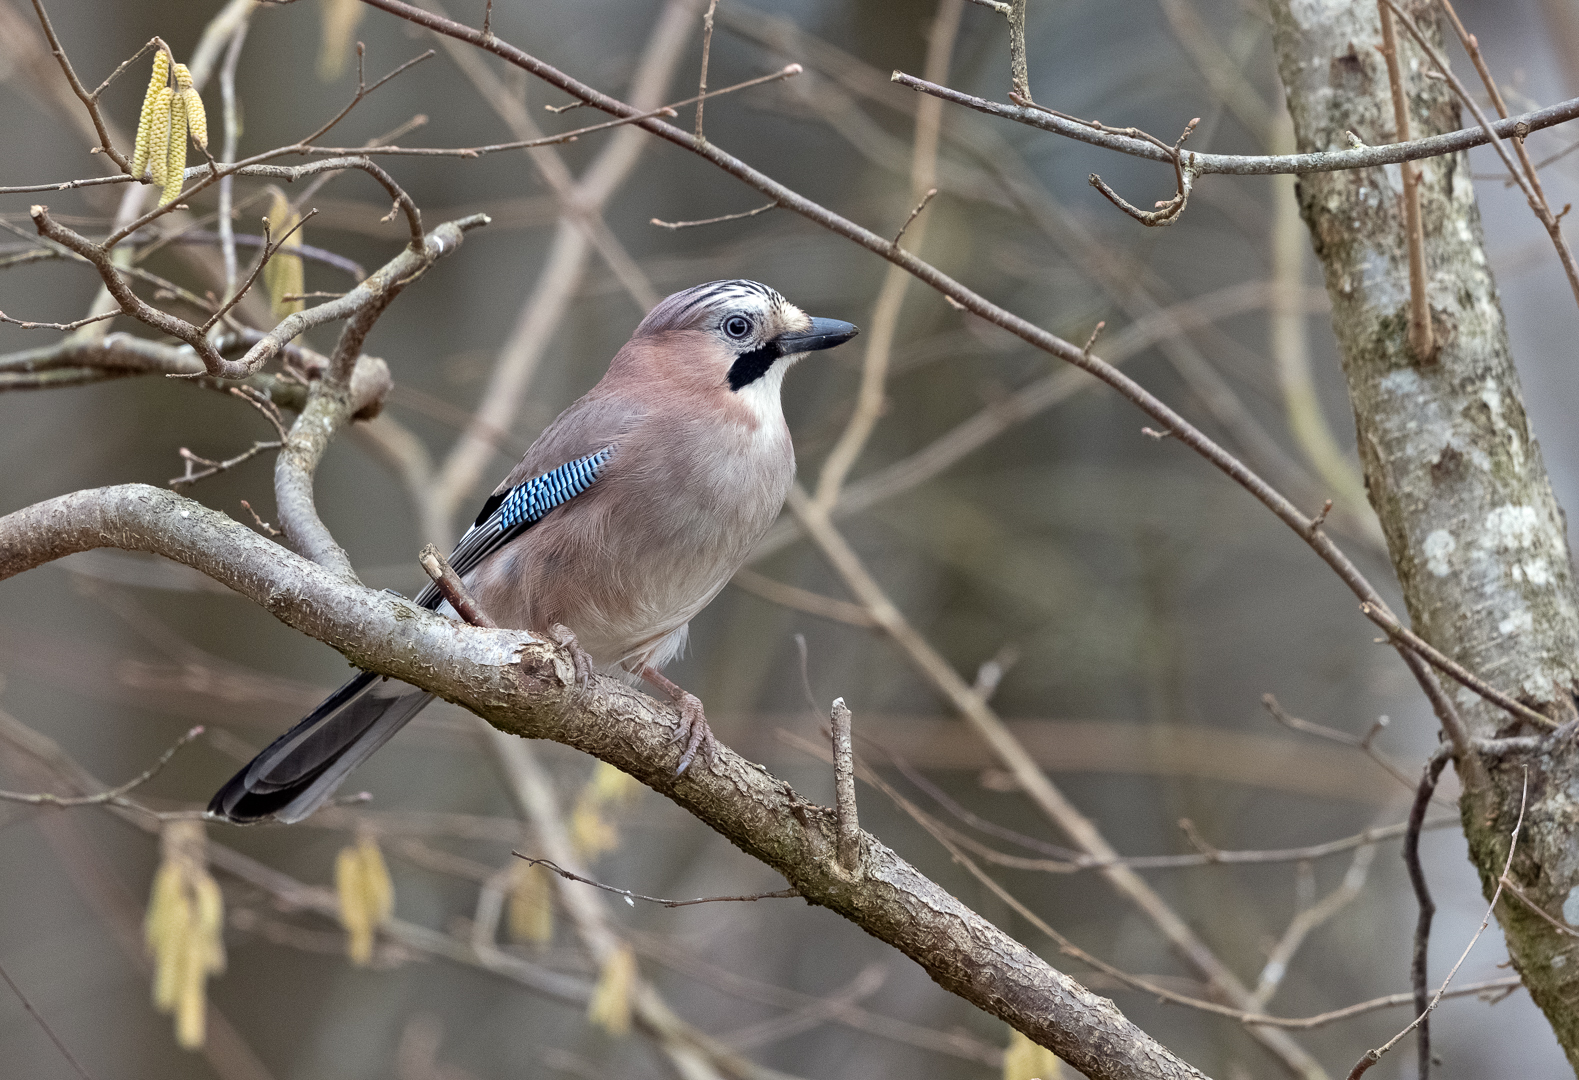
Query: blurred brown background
[[1146, 603]]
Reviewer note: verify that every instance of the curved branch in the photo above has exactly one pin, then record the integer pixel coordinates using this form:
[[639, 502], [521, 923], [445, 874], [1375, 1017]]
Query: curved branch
[[528, 687], [373, 294], [1265, 165], [70, 362]]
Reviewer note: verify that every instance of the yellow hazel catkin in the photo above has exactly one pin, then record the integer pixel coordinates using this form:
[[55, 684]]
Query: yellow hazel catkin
[[531, 914], [145, 119], [366, 896], [610, 1007], [1026, 1060], [192, 101], [175, 164], [159, 134], [183, 930]]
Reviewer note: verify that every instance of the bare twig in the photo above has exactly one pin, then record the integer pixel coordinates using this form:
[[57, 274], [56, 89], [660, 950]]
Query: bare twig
[[308, 252], [884, 324], [1307, 920], [1066, 860], [714, 220], [43, 1024], [130, 303], [1414, 643], [782, 894], [707, 48], [1371, 1057], [1253, 1020], [90, 100], [1425, 903], [1513, 887], [787, 72], [1097, 134], [232, 121], [920, 206], [27, 325], [1167, 212], [1421, 338], [268, 251], [453, 588], [849, 827], [211, 467], [1359, 742], [115, 796], [263, 526], [1032, 780], [1536, 200], [1019, 69]]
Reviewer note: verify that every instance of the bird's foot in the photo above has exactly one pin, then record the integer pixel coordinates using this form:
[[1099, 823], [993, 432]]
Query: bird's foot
[[693, 731], [565, 638]]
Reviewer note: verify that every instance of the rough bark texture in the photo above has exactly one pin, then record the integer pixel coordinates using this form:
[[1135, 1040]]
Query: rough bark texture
[[526, 686], [1475, 534]]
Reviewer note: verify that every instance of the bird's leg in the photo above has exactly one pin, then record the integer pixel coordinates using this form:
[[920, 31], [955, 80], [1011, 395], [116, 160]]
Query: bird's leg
[[694, 731], [565, 638]]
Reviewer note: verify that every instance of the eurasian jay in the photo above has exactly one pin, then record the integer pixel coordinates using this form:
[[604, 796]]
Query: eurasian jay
[[624, 519]]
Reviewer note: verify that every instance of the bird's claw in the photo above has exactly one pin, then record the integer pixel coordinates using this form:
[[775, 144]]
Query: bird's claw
[[565, 638], [694, 732]]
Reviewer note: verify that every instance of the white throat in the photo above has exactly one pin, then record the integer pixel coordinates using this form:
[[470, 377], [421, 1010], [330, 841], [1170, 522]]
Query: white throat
[[761, 396]]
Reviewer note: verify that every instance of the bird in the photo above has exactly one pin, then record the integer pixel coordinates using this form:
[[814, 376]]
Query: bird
[[626, 516]]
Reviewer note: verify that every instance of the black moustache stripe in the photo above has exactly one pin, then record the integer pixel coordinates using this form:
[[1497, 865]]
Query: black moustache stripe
[[751, 366]]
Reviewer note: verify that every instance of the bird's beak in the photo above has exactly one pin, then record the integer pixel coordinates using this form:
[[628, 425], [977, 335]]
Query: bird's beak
[[824, 334]]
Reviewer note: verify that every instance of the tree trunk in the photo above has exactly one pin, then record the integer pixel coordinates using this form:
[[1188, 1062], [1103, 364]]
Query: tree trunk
[[1476, 536]]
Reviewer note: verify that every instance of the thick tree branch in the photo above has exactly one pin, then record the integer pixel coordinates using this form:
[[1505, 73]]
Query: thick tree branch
[[528, 687]]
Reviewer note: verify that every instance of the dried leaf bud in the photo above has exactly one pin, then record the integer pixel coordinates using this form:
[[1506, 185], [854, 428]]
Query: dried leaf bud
[[175, 161], [366, 896], [145, 120], [159, 133], [531, 904], [610, 1007], [1025, 1060]]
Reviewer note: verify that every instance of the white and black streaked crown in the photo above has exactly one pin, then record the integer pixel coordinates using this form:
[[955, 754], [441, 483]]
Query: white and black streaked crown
[[704, 305]]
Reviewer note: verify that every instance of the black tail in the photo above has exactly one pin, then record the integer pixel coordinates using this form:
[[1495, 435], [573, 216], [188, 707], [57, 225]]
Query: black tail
[[302, 768]]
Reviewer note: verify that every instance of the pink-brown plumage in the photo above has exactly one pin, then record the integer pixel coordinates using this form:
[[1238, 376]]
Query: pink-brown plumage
[[697, 477], [624, 551]]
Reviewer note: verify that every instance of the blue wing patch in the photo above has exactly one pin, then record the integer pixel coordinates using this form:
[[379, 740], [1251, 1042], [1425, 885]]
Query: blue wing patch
[[525, 504], [508, 514]]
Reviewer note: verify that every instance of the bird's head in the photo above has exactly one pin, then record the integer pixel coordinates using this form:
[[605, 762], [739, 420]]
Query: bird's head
[[744, 329]]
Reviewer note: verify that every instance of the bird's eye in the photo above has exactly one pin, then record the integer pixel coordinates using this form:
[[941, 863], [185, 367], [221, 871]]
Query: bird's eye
[[737, 326]]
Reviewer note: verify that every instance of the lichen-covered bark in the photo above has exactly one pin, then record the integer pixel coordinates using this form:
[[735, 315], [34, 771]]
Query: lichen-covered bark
[[528, 687], [1452, 469]]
